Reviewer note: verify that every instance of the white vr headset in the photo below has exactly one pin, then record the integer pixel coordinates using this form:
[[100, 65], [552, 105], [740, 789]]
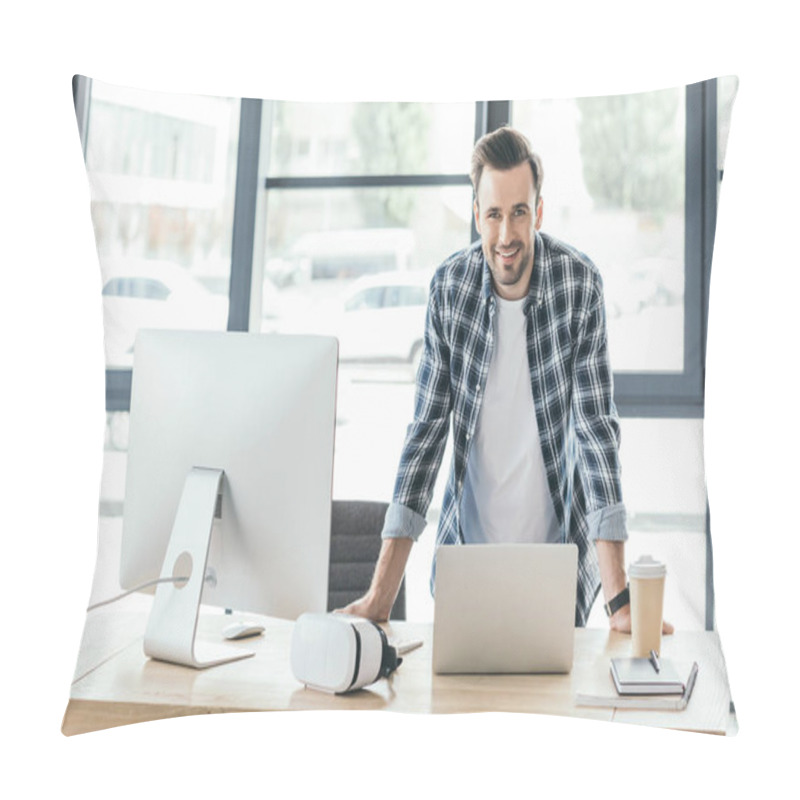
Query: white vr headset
[[340, 653]]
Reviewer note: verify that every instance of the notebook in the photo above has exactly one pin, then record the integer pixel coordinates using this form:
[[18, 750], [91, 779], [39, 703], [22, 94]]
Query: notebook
[[639, 700], [638, 676], [504, 608]]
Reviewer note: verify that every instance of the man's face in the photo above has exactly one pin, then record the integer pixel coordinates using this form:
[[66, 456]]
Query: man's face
[[506, 216]]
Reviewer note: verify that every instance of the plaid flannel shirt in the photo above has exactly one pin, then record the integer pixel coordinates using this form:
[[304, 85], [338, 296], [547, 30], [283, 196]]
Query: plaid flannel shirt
[[572, 388]]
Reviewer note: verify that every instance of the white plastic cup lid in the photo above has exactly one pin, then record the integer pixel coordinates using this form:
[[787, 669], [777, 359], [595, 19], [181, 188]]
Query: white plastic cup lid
[[647, 567]]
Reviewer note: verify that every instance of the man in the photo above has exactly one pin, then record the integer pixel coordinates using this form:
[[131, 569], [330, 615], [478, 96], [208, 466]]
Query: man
[[515, 351]]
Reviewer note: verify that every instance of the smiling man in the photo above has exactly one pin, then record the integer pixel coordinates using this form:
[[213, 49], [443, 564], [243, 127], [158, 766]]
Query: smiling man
[[516, 353]]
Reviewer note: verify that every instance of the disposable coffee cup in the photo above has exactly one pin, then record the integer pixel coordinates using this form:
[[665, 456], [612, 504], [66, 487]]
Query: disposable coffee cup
[[646, 577]]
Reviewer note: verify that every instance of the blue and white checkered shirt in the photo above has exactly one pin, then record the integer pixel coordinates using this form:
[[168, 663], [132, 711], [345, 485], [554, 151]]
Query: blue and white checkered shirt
[[572, 386]]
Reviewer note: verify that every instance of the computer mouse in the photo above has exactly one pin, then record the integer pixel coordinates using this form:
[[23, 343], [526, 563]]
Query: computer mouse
[[242, 630]]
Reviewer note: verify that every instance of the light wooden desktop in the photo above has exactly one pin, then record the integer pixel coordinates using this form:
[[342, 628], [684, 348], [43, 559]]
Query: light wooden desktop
[[115, 684]]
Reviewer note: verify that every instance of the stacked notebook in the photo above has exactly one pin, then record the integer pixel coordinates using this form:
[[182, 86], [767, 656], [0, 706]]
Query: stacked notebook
[[640, 685], [638, 676]]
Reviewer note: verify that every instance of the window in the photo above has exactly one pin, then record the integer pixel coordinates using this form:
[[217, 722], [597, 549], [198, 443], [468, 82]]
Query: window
[[165, 167], [614, 188]]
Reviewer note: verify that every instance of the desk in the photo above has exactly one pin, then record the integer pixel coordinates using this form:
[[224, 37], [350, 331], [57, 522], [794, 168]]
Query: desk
[[115, 684]]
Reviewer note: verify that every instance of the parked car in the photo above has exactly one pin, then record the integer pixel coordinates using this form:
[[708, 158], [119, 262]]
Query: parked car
[[383, 317], [342, 255], [153, 294], [379, 319]]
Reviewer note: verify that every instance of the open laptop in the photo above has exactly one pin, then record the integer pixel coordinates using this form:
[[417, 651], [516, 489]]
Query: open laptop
[[504, 608]]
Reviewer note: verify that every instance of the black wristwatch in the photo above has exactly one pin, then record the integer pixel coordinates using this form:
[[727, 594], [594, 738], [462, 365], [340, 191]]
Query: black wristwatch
[[616, 603]]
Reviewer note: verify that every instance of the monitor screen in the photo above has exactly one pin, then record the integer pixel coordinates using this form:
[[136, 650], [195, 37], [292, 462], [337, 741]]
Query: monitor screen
[[261, 408]]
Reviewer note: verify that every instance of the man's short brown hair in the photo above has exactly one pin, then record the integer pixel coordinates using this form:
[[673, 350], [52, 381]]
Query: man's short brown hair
[[505, 148]]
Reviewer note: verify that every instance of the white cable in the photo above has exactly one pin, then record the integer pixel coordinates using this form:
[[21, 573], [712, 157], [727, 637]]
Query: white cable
[[404, 647], [135, 589]]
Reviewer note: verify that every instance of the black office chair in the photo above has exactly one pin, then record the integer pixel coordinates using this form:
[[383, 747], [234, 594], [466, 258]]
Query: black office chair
[[355, 543]]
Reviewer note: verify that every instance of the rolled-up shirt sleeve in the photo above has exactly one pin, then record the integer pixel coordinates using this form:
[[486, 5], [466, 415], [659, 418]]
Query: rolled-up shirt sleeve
[[402, 522], [608, 524]]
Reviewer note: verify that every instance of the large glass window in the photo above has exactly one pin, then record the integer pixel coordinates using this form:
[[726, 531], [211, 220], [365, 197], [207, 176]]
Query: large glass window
[[614, 188], [163, 171], [368, 192]]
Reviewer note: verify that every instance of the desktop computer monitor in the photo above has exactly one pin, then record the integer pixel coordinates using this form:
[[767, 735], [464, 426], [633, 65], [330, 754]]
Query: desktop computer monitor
[[229, 479]]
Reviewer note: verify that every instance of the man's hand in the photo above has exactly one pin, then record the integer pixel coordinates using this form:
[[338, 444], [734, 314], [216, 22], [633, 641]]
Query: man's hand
[[611, 558], [367, 607], [621, 621], [377, 603]]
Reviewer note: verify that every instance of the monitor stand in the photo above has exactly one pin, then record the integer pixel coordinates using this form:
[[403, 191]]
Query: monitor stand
[[172, 626]]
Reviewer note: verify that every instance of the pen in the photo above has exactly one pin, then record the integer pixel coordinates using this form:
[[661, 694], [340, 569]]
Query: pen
[[654, 661]]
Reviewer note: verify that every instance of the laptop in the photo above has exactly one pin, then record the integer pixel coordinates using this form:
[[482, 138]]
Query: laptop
[[504, 608]]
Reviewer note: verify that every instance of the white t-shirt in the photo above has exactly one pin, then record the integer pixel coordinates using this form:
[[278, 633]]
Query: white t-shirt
[[505, 496]]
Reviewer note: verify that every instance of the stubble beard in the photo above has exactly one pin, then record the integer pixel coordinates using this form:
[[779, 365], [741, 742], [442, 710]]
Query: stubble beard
[[509, 275]]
